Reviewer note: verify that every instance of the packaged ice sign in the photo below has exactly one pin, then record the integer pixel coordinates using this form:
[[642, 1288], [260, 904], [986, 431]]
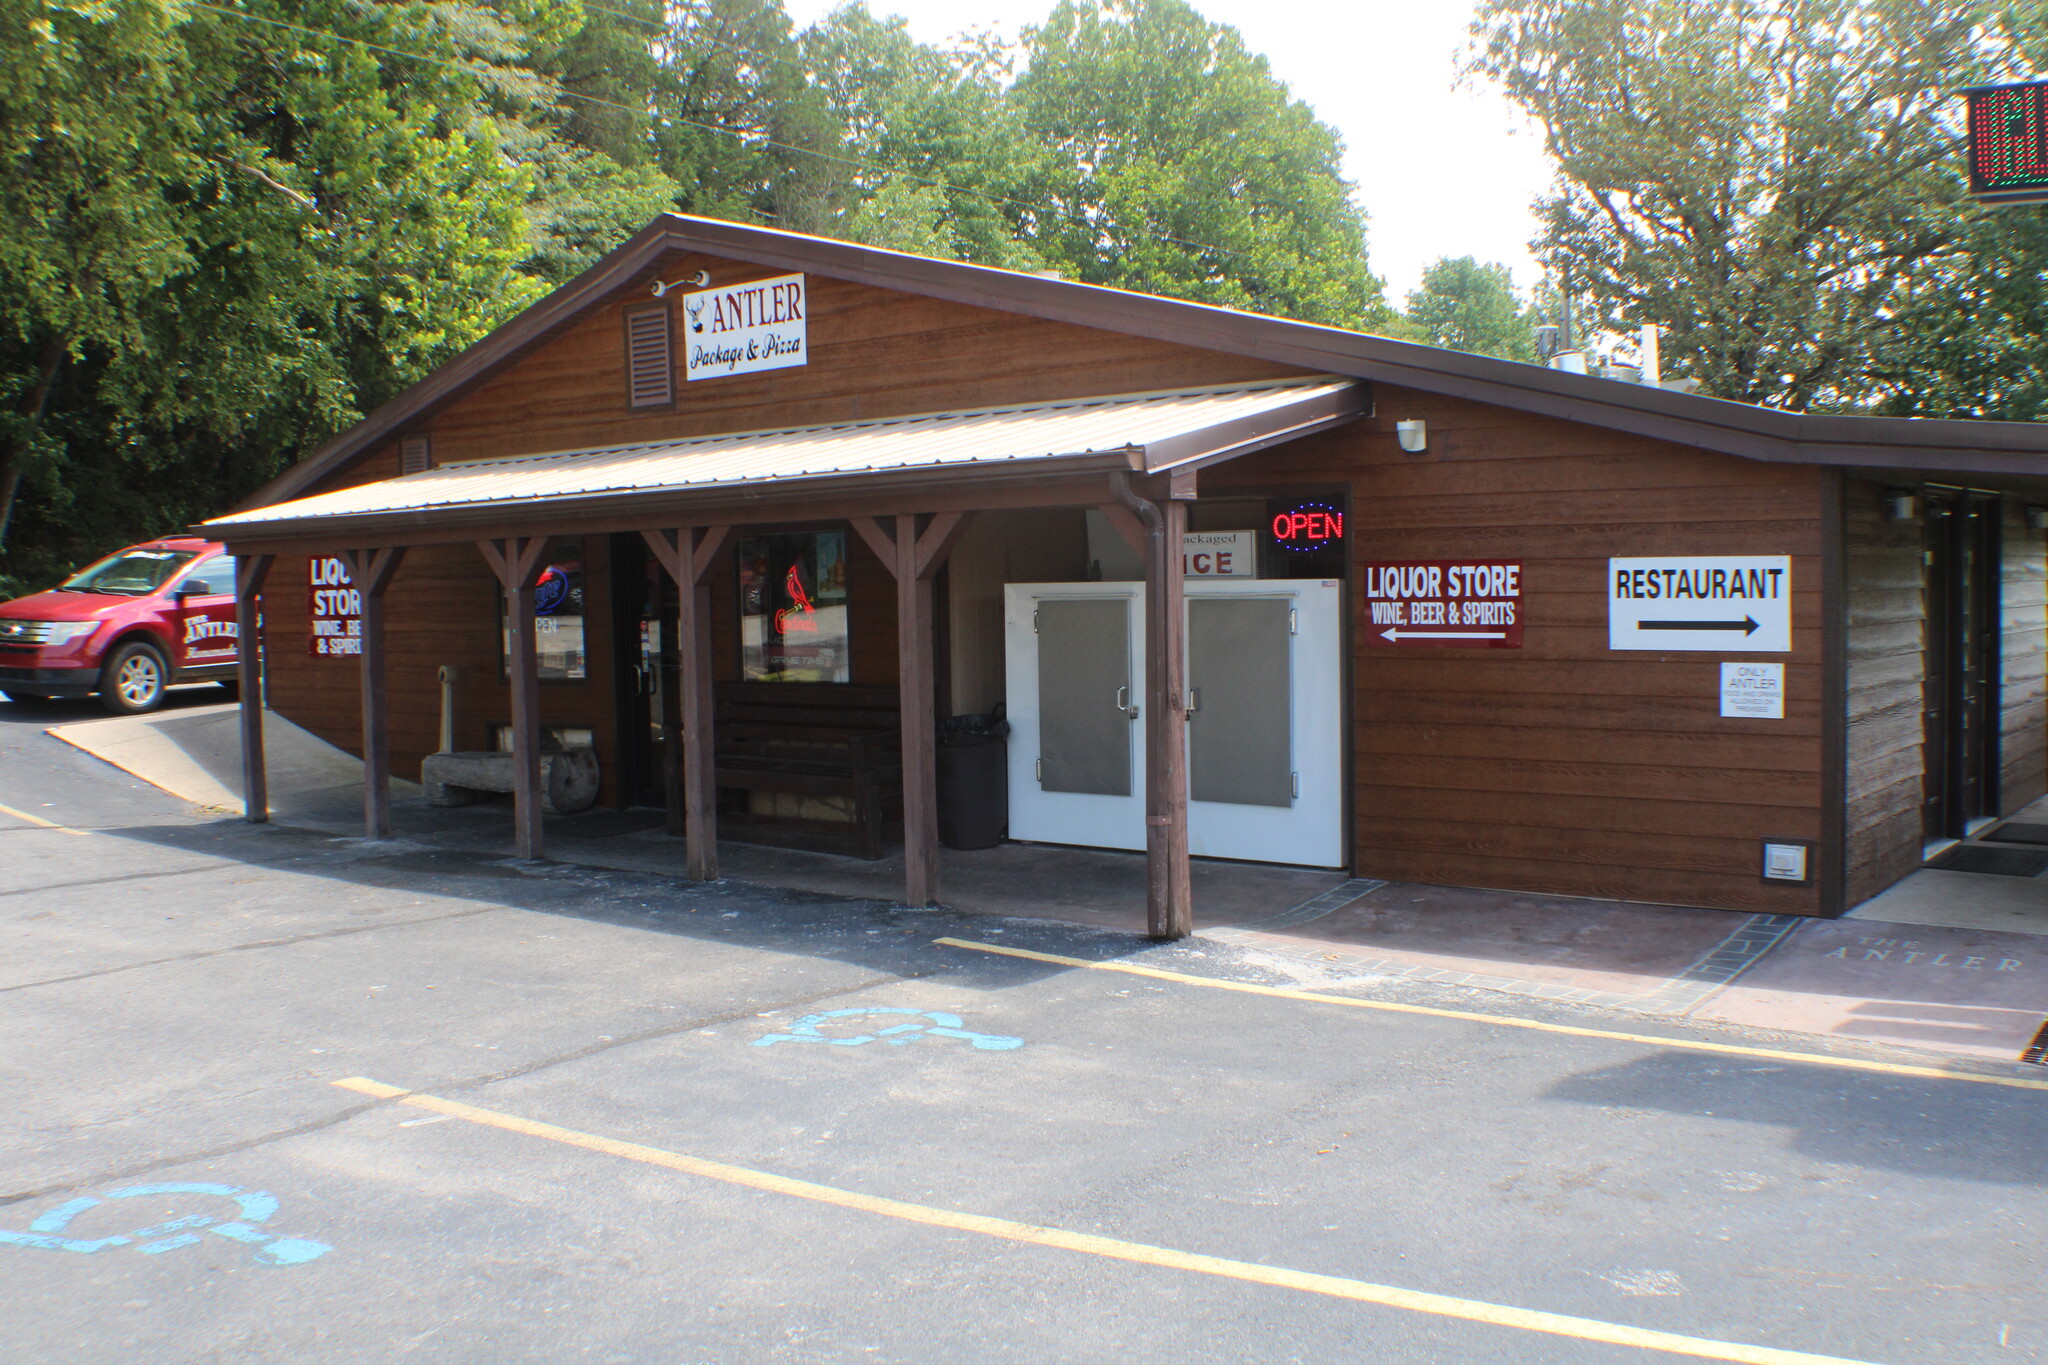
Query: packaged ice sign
[[1455, 603], [1219, 554], [742, 328], [334, 609], [1701, 602]]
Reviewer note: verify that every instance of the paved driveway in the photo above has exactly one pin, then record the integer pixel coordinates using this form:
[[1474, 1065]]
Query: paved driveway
[[275, 1096]]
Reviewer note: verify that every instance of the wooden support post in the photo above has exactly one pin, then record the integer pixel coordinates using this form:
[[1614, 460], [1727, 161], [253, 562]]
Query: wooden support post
[[1169, 892], [915, 560], [370, 572], [687, 554], [250, 572], [516, 561]]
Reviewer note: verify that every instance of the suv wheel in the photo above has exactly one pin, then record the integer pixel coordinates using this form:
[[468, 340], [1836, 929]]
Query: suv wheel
[[133, 680]]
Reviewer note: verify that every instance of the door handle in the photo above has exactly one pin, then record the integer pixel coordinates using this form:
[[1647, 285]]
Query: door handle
[[1194, 700], [1122, 695]]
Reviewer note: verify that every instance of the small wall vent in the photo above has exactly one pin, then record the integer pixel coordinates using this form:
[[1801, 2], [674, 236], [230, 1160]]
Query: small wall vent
[[650, 368], [415, 455]]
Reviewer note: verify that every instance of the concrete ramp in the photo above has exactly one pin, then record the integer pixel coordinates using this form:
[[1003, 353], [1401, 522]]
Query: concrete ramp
[[196, 754]]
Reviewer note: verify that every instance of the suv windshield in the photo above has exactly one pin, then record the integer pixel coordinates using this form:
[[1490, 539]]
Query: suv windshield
[[132, 573]]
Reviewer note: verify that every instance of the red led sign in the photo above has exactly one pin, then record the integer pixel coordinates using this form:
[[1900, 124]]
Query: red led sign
[[1309, 526], [2009, 142]]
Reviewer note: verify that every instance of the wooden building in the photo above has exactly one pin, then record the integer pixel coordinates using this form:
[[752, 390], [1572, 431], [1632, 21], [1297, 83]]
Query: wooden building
[[747, 512]]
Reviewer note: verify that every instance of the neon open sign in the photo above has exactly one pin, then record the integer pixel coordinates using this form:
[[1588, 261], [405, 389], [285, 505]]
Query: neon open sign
[[2009, 142], [1308, 526]]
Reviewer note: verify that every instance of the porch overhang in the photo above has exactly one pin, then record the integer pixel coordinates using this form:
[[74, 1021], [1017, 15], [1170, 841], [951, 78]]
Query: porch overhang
[[1048, 454]]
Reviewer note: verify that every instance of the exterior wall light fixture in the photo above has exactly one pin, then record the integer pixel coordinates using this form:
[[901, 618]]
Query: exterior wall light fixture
[[700, 279], [1901, 504], [1413, 435]]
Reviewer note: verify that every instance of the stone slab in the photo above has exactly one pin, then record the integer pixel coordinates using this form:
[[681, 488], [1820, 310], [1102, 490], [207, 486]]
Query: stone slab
[[1971, 991]]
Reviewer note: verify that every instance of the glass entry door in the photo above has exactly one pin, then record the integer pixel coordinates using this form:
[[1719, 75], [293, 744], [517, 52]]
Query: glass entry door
[[1265, 717]]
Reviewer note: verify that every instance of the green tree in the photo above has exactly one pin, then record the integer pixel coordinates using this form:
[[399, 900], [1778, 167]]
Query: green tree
[[221, 237], [1770, 180], [943, 163], [1467, 306], [1188, 170]]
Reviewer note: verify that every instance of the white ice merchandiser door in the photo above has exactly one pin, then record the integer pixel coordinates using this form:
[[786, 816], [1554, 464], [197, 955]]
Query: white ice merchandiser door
[[1265, 722]]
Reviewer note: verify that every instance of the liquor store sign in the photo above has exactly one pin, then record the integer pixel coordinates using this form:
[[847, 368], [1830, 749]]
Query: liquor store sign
[[743, 328], [334, 609], [1444, 603], [1715, 603]]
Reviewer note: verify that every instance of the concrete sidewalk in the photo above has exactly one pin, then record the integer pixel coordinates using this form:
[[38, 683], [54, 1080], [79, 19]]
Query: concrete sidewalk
[[1951, 961]]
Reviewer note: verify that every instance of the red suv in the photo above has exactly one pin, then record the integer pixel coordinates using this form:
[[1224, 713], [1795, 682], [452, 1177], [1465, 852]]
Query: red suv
[[126, 628]]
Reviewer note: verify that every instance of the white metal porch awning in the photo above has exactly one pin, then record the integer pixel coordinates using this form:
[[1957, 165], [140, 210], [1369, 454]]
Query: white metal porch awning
[[1140, 433]]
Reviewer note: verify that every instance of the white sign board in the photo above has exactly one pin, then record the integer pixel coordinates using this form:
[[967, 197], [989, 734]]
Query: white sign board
[[1738, 604], [745, 327], [1753, 691], [1220, 554]]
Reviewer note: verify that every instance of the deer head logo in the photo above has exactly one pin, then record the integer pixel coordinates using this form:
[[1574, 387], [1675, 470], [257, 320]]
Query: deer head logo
[[695, 308]]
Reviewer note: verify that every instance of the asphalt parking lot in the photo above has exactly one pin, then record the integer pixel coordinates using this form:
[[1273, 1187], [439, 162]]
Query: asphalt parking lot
[[276, 1096]]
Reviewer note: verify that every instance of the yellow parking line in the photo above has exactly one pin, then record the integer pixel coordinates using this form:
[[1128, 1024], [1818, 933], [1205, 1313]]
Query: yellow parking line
[[46, 824], [1504, 1020], [1334, 1286]]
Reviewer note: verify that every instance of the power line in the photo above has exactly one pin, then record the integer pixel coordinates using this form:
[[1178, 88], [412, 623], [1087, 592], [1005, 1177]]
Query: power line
[[853, 162]]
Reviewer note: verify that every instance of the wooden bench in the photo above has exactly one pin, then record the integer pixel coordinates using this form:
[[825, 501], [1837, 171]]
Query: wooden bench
[[829, 756]]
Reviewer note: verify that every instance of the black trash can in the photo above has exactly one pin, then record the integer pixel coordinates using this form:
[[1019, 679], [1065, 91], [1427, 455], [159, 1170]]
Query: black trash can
[[974, 782]]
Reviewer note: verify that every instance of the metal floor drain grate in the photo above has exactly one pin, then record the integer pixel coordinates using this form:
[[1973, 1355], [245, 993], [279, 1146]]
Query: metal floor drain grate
[[1998, 862]]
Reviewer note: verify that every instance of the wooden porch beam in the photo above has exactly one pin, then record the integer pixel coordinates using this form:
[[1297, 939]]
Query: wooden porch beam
[[1127, 525], [516, 561], [370, 571], [1169, 899], [250, 573], [915, 559], [687, 553]]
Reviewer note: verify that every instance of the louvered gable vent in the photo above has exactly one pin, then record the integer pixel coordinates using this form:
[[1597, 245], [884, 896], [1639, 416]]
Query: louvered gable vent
[[650, 371]]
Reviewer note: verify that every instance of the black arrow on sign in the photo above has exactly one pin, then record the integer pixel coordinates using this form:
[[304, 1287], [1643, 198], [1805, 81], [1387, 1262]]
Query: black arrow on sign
[[1745, 625]]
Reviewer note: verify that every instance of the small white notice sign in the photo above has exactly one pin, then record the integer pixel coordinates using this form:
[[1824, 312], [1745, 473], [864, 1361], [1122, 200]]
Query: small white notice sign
[[1753, 691], [746, 327], [1718, 603]]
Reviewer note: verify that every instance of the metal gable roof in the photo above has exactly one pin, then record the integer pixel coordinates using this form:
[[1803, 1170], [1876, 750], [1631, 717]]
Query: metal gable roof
[[1137, 432], [1706, 423]]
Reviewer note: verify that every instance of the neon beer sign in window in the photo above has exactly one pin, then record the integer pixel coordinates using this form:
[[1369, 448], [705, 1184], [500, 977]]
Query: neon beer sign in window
[[1308, 527]]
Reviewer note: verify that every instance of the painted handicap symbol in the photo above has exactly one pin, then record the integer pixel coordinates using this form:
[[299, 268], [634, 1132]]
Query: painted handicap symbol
[[941, 1024], [255, 1206]]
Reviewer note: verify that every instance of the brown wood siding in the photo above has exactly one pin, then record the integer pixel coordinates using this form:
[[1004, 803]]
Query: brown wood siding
[[1563, 767], [873, 353], [441, 608], [1886, 620], [2023, 667]]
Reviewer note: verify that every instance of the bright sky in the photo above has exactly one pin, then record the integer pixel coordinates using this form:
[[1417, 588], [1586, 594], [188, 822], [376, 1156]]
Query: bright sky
[[1440, 171]]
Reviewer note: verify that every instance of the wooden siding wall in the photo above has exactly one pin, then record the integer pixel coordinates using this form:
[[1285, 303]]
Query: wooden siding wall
[[873, 353], [1884, 597], [441, 608], [1563, 767], [2023, 669]]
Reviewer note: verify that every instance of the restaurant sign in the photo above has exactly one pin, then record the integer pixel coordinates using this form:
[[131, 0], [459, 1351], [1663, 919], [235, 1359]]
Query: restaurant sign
[[1444, 603], [334, 609], [741, 328]]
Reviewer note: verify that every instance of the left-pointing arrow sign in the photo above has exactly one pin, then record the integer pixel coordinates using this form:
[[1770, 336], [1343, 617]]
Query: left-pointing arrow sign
[[1443, 635], [1746, 625]]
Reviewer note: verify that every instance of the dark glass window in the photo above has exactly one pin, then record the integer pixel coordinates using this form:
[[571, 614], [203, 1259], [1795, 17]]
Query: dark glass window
[[793, 593], [558, 614]]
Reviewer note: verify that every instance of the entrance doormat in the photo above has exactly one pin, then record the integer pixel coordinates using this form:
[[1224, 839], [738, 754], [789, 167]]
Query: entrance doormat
[[2017, 834], [1999, 862], [605, 824]]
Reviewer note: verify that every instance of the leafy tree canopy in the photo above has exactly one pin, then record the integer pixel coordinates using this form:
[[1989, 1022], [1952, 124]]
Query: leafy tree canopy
[[1466, 306], [1775, 182]]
